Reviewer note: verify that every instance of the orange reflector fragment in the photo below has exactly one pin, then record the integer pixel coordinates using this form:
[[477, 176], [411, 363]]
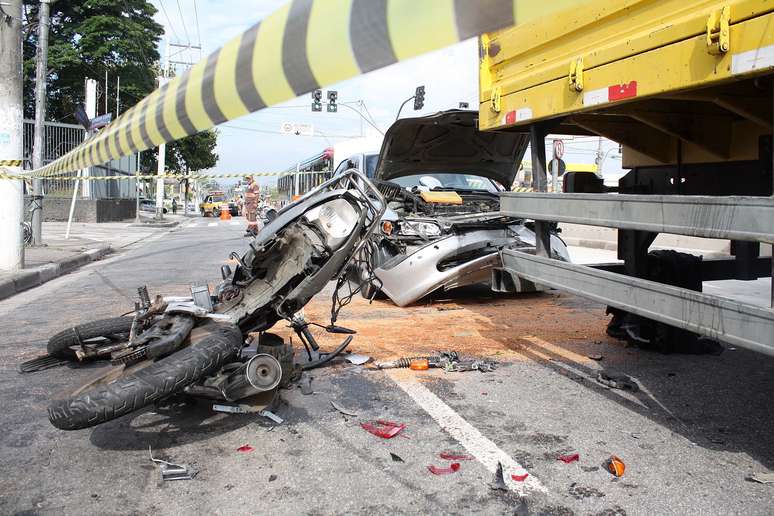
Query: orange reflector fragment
[[420, 364]]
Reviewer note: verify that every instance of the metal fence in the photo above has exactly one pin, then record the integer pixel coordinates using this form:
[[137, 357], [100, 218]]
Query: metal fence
[[58, 140]]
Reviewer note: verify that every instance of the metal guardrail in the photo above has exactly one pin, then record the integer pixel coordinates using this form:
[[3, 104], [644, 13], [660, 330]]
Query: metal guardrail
[[732, 217], [744, 325]]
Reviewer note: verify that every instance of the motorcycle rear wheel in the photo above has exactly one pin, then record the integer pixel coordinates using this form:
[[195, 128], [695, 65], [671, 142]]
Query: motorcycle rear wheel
[[126, 389], [60, 345]]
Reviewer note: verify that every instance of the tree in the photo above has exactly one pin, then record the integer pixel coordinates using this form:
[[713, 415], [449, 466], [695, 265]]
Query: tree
[[86, 39]]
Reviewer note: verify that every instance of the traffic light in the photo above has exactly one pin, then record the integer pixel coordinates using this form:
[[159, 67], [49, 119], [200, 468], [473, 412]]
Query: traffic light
[[419, 98], [316, 100], [332, 96]]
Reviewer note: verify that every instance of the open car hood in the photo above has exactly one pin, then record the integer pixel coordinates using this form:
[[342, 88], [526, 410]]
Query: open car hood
[[449, 141]]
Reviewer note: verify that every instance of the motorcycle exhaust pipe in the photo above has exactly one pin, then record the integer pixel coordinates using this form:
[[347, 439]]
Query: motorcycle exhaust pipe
[[259, 374]]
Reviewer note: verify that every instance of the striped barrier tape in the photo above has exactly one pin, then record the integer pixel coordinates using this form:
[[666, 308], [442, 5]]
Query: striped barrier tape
[[11, 162], [305, 45], [5, 175]]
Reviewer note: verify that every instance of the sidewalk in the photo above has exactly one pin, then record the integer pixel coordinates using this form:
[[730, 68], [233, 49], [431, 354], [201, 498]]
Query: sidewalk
[[88, 242]]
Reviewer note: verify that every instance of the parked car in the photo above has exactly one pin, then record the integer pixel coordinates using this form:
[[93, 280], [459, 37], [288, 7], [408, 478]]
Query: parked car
[[212, 203], [150, 205], [442, 229]]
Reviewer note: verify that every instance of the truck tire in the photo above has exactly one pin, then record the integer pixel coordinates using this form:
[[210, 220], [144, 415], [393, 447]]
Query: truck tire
[[211, 346], [60, 344]]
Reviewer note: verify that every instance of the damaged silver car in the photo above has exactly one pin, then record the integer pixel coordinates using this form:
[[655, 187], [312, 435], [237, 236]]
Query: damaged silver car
[[443, 229]]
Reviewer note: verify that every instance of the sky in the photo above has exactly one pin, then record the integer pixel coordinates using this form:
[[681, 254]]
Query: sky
[[253, 143]]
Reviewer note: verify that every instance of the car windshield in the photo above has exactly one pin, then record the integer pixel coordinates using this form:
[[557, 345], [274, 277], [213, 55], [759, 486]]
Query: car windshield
[[218, 198], [370, 165], [440, 181]]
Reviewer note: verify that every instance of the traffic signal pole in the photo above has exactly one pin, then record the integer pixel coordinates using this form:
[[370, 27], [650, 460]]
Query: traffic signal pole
[[11, 141]]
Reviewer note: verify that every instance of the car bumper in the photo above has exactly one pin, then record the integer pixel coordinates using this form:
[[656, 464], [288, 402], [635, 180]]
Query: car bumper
[[408, 278]]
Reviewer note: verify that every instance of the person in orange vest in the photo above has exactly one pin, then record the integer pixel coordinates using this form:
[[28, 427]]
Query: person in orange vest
[[252, 198]]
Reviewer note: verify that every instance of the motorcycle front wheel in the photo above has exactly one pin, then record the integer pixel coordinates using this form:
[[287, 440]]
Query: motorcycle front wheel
[[126, 389]]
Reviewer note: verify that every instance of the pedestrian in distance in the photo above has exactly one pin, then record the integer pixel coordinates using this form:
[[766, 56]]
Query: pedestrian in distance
[[174, 206], [252, 198]]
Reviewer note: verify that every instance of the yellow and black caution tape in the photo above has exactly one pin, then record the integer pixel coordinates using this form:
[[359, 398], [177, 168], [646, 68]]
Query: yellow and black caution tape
[[305, 45], [522, 189], [4, 175], [11, 162]]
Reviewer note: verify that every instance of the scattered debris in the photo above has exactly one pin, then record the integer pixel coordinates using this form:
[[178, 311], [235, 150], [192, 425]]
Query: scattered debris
[[172, 471], [615, 466], [595, 356], [498, 483], [247, 409], [419, 364], [396, 458], [341, 409], [449, 361], [41, 363], [448, 308], [762, 478], [272, 478], [581, 492], [453, 468], [306, 385], [382, 428], [617, 381], [356, 359], [449, 455], [589, 469], [245, 448], [567, 459], [520, 478]]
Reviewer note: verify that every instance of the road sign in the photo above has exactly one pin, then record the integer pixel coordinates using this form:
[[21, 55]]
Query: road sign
[[100, 121], [558, 149], [559, 165], [298, 129]]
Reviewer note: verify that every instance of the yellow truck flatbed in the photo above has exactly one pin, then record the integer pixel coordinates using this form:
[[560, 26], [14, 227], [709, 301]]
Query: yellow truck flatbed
[[662, 71]]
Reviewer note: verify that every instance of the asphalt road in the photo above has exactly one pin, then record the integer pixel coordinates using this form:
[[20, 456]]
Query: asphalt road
[[698, 426]]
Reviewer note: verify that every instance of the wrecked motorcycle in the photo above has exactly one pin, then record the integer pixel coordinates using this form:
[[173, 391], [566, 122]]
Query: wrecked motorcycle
[[197, 345]]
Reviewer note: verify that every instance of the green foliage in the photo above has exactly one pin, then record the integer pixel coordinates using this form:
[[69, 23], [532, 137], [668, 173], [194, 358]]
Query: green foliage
[[86, 39], [192, 153]]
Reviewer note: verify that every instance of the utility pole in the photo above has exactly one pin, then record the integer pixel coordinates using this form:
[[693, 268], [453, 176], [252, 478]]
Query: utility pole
[[11, 141], [41, 78], [162, 156]]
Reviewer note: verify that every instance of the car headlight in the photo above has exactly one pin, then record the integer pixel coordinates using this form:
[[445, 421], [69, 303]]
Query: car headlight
[[336, 219], [419, 228]]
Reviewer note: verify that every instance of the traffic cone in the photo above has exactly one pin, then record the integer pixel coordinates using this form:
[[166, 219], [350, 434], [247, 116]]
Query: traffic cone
[[225, 214]]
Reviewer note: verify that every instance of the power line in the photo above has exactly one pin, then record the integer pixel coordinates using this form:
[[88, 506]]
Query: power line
[[182, 20], [266, 131], [169, 21], [198, 29]]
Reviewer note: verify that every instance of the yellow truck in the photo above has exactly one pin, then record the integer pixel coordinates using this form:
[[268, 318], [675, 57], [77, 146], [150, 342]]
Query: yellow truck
[[210, 207], [686, 87]]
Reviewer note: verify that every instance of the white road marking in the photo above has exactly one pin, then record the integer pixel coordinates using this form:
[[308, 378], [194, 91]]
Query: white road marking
[[236, 223], [484, 450], [211, 224]]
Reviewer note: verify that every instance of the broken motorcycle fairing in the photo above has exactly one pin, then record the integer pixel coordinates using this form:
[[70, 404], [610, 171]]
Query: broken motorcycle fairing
[[194, 345]]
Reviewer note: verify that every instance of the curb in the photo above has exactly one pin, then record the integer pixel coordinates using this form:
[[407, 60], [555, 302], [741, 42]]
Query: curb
[[30, 278], [169, 224]]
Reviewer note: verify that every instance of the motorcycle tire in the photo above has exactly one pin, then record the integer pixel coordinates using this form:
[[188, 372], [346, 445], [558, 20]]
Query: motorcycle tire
[[60, 345], [211, 346]]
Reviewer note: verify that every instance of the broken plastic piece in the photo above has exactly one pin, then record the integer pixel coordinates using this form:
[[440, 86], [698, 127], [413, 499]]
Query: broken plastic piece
[[572, 457], [356, 359], [762, 478], [396, 458], [171, 471], [615, 466], [520, 478], [271, 415], [453, 468], [341, 409], [306, 386], [245, 448], [448, 455], [617, 381], [420, 364], [499, 481], [382, 428]]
